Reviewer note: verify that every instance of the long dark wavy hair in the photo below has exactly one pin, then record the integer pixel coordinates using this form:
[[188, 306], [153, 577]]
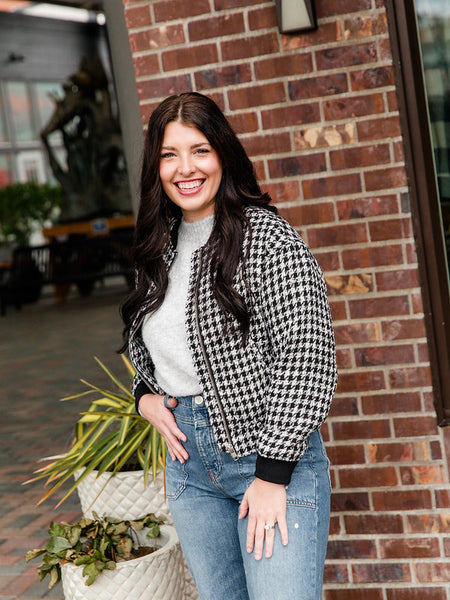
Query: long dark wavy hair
[[157, 213]]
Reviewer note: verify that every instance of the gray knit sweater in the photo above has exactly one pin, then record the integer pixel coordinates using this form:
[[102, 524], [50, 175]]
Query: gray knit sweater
[[164, 331]]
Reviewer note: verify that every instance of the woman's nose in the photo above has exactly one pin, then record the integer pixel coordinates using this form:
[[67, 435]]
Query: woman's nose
[[186, 166]]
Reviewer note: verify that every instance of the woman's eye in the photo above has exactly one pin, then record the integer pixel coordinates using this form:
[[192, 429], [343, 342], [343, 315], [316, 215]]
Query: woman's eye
[[203, 151], [167, 155]]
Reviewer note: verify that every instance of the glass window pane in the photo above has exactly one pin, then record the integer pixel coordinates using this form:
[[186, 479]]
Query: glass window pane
[[44, 93], [6, 175], [20, 111], [3, 132], [434, 30]]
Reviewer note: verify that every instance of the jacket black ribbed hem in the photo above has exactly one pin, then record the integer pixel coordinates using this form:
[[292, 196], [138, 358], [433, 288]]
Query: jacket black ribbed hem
[[141, 389], [274, 470]]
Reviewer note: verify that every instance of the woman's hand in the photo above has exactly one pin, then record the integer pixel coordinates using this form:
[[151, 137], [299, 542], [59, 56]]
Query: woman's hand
[[152, 408], [265, 504]]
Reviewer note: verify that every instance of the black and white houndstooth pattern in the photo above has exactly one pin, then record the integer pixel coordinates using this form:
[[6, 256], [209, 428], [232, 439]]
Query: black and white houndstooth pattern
[[277, 389]]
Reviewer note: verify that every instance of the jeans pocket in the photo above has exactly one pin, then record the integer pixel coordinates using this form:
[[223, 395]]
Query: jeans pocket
[[176, 477], [246, 467]]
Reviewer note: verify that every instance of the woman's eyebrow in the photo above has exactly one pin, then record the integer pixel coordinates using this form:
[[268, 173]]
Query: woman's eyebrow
[[193, 147]]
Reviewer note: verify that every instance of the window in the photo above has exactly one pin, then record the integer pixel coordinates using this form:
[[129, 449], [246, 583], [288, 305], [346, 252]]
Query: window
[[421, 49]]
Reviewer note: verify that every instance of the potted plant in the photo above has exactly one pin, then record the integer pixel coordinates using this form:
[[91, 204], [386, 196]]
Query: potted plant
[[25, 207], [115, 451], [111, 558]]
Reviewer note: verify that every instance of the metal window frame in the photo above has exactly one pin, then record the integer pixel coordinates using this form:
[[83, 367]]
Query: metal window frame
[[425, 206]]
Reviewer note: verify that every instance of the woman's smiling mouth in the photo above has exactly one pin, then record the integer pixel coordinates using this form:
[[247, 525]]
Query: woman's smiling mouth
[[189, 186]]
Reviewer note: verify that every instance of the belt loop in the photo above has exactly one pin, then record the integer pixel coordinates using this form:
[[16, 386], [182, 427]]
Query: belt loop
[[165, 401]]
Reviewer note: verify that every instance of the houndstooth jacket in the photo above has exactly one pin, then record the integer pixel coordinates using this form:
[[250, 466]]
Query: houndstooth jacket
[[271, 394]]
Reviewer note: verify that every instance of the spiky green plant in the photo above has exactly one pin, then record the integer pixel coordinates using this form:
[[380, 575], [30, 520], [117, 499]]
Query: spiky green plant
[[109, 437]]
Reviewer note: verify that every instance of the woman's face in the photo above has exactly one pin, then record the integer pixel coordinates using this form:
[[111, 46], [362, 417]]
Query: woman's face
[[190, 170]]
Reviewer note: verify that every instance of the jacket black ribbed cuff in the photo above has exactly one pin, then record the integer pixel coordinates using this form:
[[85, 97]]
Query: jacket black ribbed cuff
[[274, 470], [141, 389]]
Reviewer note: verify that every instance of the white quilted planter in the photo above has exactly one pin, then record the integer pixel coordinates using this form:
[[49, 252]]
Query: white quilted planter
[[124, 496], [159, 575]]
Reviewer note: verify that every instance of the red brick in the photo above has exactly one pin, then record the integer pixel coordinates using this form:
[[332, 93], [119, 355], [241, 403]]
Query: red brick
[[399, 154], [331, 186], [349, 502], [379, 307], [403, 329], [397, 280], [402, 500], [336, 235], [297, 165], [382, 179], [361, 430], [316, 87], [368, 524], [137, 16], [362, 156], [299, 114], [392, 101], [377, 129], [283, 66], [164, 86], [416, 593], [431, 524], [365, 26], [381, 572], [433, 572], [214, 27], [410, 377], [384, 355], [357, 333], [224, 4], [247, 47], [285, 191], [354, 106], [398, 452], [385, 53], [338, 310], [390, 403], [389, 229], [341, 549], [344, 358], [157, 37], [329, 8], [368, 477], [353, 594], [243, 122], [371, 78], [417, 426], [146, 64], [245, 97], [343, 406], [442, 498], [346, 455], [262, 18], [328, 261], [372, 256], [346, 56], [326, 33], [256, 145], [422, 475], [306, 214], [223, 76], [409, 548], [191, 56], [334, 573], [168, 10]]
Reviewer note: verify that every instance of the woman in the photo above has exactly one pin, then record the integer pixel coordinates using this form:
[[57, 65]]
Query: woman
[[230, 334]]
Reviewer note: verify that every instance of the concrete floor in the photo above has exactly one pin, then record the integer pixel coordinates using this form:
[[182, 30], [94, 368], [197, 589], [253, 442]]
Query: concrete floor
[[44, 351]]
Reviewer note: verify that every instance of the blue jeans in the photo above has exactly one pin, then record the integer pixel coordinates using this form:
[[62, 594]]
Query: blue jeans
[[204, 496]]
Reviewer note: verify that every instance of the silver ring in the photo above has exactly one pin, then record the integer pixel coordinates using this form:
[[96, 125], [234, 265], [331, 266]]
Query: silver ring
[[268, 526]]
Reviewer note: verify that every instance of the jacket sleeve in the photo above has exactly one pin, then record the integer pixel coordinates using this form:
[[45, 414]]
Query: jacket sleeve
[[139, 389], [303, 372]]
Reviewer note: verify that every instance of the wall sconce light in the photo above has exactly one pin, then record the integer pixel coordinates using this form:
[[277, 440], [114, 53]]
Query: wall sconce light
[[296, 16]]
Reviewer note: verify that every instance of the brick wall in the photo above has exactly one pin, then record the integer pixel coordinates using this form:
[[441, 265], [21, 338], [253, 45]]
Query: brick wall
[[318, 115]]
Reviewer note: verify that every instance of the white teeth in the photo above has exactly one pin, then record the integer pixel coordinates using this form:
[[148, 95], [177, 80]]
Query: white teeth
[[189, 185]]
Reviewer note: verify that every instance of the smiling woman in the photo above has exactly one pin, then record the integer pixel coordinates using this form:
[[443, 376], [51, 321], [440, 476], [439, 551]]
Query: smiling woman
[[190, 170]]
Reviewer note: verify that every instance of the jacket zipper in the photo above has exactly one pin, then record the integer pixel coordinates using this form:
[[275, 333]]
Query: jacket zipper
[[229, 447]]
